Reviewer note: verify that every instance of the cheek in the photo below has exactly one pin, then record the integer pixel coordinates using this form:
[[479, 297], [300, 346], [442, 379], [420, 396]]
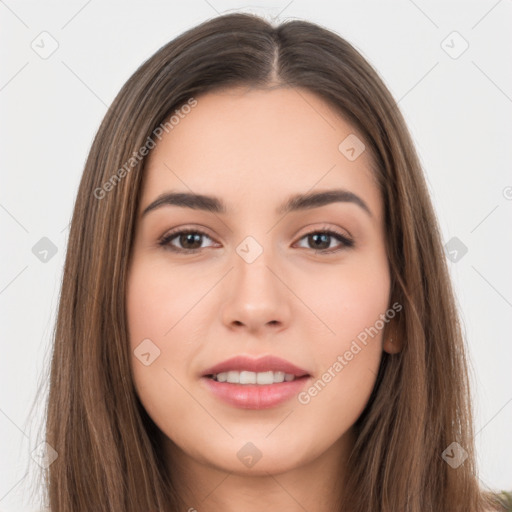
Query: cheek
[[157, 299], [347, 361], [353, 307], [350, 301], [159, 339]]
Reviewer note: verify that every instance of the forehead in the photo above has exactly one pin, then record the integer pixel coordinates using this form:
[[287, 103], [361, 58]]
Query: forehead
[[253, 145]]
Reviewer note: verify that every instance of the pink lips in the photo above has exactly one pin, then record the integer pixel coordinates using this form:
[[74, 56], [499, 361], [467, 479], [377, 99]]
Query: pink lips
[[249, 396]]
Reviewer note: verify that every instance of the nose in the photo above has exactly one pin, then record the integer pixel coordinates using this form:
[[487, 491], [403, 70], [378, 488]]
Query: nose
[[258, 298]]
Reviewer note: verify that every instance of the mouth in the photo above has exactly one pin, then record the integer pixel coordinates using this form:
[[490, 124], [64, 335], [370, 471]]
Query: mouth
[[249, 383], [259, 378], [247, 370]]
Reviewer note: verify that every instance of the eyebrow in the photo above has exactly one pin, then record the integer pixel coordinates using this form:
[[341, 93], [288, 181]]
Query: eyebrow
[[294, 203]]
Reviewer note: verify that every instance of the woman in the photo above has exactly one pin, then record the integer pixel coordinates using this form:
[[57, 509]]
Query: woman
[[309, 356]]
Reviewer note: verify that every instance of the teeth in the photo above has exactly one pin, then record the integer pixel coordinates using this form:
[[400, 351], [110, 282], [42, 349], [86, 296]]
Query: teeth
[[245, 377]]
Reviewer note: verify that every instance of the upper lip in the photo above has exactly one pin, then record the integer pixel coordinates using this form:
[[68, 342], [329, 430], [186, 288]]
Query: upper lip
[[261, 364]]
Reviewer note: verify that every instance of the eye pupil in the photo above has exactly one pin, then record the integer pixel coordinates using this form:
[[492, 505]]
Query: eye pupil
[[323, 239], [190, 237]]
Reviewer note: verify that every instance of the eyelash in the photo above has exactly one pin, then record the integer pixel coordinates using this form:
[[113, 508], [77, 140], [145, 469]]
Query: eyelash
[[166, 239]]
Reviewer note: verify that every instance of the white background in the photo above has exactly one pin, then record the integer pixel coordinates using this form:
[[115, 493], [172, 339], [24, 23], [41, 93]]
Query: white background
[[458, 110]]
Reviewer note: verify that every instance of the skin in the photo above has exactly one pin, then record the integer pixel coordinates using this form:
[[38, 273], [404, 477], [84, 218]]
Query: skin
[[254, 148]]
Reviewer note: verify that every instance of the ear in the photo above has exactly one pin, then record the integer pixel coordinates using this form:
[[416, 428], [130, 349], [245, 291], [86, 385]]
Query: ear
[[391, 346], [392, 343]]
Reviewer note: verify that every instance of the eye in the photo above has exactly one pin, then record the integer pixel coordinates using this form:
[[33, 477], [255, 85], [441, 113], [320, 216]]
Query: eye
[[321, 240], [190, 240]]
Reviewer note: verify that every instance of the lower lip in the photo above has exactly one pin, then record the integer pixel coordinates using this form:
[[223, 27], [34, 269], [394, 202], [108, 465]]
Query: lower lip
[[254, 396]]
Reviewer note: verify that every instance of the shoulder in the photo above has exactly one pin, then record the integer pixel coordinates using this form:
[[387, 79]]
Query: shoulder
[[499, 501]]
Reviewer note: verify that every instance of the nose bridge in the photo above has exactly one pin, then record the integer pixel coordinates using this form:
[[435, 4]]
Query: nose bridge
[[257, 297], [252, 266]]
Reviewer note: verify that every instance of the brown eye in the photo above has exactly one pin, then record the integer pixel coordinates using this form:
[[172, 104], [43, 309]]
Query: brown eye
[[321, 240], [188, 240]]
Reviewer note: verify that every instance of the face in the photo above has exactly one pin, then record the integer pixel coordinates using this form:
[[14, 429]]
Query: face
[[306, 285]]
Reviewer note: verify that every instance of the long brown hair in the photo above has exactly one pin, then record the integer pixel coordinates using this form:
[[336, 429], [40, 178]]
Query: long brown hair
[[109, 455]]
